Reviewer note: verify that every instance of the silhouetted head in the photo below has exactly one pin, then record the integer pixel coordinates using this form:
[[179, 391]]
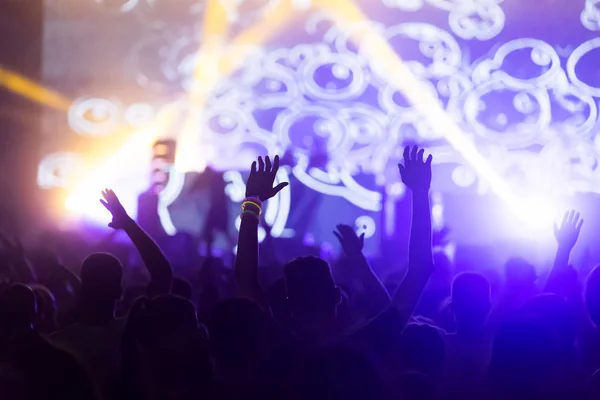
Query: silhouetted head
[[238, 329], [523, 359], [592, 295], [181, 287], [101, 277], [18, 310], [310, 288], [164, 332], [335, 374], [422, 349], [471, 301], [557, 315]]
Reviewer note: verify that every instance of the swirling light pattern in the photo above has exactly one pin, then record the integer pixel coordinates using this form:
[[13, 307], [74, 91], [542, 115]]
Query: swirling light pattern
[[324, 93]]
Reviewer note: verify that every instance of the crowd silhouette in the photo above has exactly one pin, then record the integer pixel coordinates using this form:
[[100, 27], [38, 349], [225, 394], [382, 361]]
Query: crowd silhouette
[[303, 332]]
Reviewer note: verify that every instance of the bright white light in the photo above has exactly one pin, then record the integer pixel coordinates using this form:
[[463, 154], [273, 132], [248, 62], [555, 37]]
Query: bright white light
[[537, 214]]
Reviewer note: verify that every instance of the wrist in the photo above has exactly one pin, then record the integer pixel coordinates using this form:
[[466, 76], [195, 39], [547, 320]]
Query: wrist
[[564, 249], [420, 192], [251, 209], [128, 222], [354, 253]]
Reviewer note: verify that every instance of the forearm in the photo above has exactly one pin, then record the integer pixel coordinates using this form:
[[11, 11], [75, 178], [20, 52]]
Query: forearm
[[559, 268], [246, 262], [420, 257], [154, 259], [420, 252], [373, 289]]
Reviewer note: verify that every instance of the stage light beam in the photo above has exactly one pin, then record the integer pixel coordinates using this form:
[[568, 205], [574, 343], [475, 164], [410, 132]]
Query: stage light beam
[[33, 91], [216, 60], [402, 78], [83, 200]]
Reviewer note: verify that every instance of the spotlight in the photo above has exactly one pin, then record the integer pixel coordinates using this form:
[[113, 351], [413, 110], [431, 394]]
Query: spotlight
[[537, 214]]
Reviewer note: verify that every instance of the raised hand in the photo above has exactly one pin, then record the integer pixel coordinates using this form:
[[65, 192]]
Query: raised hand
[[351, 243], [120, 219], [415, 172], [568, 233], [261, 179]]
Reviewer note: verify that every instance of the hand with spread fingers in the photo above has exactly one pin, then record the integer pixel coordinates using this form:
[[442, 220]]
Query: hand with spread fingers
[[567, 234], [262, 177], [416, 172], [111, 202], [351, 243]]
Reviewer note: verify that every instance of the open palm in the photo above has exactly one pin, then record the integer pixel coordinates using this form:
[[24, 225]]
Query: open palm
[[416, 172], [119, 215], [262, 177]]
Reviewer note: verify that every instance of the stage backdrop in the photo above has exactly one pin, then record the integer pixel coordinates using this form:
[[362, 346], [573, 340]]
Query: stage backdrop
[[504, 94]]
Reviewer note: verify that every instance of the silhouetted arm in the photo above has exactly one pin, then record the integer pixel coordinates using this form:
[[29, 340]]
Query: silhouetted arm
[[155, 261], [563, 278], [159, 268], [246, 263], [416, 175], [259, 186], [372, 296]]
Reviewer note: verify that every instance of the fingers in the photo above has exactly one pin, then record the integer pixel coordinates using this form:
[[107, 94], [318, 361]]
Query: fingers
[[565, 218], [415, 154], [112, 196], [338, 236], [275, 167], [104, 203], [268, 164], [278, 188], [346, 230], [401, 169], [579, 225], [571, 216], [261, 164], [253, 168], [362, 239]]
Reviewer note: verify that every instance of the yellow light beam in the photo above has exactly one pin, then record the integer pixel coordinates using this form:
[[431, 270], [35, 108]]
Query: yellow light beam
[[210, 68], [269, 26], [215, 61], [345, 12], [214, 31], [215, 25], [102, 175], [32, 91]]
